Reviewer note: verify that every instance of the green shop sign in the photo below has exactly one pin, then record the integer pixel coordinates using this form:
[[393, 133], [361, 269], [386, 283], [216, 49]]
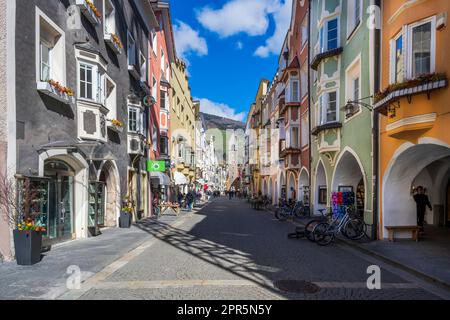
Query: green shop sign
[[156, 166]]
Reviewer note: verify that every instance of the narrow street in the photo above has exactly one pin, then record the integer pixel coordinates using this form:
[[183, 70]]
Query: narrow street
[[229, 251]]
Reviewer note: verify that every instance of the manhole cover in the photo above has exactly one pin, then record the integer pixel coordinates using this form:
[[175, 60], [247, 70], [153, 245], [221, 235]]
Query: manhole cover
[[296, 286]]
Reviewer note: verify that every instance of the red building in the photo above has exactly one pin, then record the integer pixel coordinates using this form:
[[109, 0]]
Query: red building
[[162, 54], [294, 104]]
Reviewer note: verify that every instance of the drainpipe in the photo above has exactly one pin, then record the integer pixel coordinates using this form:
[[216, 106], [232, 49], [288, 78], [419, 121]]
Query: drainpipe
[[376, 130], [309, 108]]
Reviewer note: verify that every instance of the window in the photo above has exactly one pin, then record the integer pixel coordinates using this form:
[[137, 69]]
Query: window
[[162, 63], [399, 60], [164, 145], [155, 42], [143, 67], [294, 90], [136, 120], [50, 50], [111, 98], [421, 49], [304, 80], [133, 120], [354, 12], [131, 50], [413, 51], [329, 35], [294, 137], [328, 108], [45, 62], [305, 131], [304, 31], [163, 99], [154, 88], [356, 95], [110, 17], [86, 81], [154, 137]]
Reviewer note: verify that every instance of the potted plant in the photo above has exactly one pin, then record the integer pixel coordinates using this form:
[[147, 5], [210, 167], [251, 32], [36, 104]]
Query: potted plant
[[21, 217], [28, 242], [125, 217]]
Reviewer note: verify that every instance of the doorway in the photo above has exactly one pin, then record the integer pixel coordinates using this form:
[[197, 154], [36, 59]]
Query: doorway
[[60, 220]]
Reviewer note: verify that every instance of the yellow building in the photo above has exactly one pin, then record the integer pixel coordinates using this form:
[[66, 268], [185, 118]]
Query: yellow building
[[255, 117], [415, 106], [182, 128]]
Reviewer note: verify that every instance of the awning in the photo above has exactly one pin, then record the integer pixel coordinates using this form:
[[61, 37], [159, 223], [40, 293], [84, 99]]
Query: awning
[[164, 180], [180, 178]]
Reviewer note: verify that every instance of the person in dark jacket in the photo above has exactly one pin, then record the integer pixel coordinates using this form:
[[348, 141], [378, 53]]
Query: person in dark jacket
[[422, 202]]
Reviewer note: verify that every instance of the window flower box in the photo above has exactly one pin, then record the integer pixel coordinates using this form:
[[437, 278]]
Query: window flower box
[[421, 84], [56, 91], [90, 11], [115, 125], [113, 41]]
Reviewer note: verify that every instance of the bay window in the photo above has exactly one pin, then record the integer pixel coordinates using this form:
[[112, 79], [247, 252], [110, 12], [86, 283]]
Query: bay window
[[304, 80], [328, 110], [136, 120], [163, 99], [92, 82], [133, 120]]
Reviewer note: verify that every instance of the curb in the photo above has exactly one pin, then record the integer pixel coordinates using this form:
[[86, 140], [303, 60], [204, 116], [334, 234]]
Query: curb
[[436, 281]]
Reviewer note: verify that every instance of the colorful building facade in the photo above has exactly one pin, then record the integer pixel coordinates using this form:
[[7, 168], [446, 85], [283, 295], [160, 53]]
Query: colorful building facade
[[342, 54], [414, 109]]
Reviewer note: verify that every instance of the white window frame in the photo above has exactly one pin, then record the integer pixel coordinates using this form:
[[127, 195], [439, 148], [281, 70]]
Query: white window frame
[[61, 41], [304, 80], [352, 25], [324, 32], [111, 100], [322, 112], [432, 21], [154, 88], [136, 111], [111, 16], [393, 57], [294, 82], [131, 57], [143, 67]]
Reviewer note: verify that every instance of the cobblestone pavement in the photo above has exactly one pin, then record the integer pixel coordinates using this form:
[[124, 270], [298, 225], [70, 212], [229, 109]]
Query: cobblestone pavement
[[229, 251], [47, 279]]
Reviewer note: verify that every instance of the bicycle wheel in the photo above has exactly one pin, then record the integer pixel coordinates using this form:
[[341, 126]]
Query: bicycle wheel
[[280, 215], [355, 229], [322, 234], [309, 228]]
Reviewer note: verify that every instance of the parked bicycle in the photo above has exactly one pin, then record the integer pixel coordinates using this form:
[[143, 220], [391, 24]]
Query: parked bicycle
[[349, 225], [287, 211]]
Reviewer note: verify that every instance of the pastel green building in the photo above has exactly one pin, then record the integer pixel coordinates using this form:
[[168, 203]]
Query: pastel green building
[[342, 69]]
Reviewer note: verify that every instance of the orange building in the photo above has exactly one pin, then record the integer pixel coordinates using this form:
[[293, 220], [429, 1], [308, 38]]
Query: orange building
[[414, 106]]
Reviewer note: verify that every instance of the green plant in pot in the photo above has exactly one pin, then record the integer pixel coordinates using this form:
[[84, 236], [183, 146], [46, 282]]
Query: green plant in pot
[[125, 217], [21, 216]]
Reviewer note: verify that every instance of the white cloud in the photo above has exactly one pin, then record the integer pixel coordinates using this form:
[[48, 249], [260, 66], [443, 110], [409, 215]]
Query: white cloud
[[239, 45], [188, 41], [220, 109], [282, 18], [236, 16]]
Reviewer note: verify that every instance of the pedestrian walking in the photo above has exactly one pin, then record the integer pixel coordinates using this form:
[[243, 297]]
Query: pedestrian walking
[[422, 202]]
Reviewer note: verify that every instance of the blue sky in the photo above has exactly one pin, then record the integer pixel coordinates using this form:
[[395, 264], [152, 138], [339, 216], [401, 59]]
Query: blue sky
[[229, 46]]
